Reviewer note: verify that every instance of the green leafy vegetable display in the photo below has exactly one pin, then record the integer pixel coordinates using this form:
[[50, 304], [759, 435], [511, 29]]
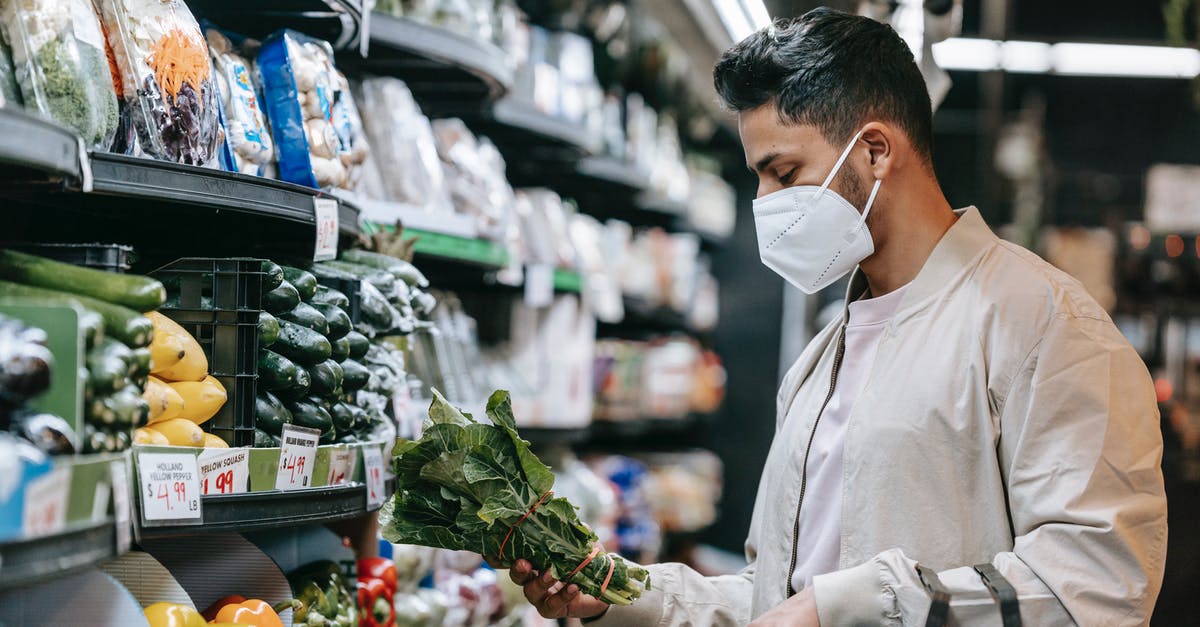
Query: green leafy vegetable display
[[467, 485]]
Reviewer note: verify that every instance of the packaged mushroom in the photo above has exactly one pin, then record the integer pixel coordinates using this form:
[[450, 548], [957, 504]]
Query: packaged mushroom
[[166, 77], [245, 124], [313, 118]]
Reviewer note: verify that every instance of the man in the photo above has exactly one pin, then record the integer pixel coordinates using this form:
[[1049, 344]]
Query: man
[[973, 407]]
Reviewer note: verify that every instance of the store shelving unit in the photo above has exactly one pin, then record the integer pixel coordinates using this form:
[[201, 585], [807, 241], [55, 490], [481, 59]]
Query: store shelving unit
[[26, 562], [340, 22], [31, 147]]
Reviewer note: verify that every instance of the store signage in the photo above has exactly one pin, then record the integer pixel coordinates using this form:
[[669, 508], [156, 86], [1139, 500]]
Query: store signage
[[44, 511], [169, 484], [326, 211], [297, 456], [373, 468], [342, 462], [120, 501], [1173, 199], [224, 471]]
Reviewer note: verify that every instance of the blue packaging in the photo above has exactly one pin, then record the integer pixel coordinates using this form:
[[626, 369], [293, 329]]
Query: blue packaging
[[282, 104]]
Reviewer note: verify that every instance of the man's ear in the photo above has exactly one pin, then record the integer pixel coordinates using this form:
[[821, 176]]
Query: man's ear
[[883, 142]]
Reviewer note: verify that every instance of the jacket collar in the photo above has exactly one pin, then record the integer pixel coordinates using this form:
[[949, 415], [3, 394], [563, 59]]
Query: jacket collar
[[966, 239]]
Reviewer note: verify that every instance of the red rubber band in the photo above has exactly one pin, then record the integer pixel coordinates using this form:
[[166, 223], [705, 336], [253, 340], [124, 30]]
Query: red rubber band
[[612, 564], [587, 560], [520, 520]]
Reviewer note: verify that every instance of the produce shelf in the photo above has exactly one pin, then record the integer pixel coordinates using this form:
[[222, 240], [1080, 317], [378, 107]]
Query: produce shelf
[[446, 247], [29, 143], [613, 172], [82, 544], [541, 437], [447, 72], [253, 511], [567, 281], [340, 22]]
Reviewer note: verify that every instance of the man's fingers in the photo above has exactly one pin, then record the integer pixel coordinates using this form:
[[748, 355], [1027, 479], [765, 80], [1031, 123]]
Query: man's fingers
[[536, 588], [555, 605], [521, 572]]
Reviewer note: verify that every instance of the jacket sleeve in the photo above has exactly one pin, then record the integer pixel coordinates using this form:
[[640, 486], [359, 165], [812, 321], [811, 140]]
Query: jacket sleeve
[[680, 596], [1080, 448]]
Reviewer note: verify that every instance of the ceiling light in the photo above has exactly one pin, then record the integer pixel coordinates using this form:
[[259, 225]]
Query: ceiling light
[[742, 17], [1078, 59], [959, 53], [1025, 56]]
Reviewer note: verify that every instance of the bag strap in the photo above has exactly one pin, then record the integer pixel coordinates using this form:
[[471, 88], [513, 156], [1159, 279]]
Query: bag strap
[[1004, 593], [939, 609]]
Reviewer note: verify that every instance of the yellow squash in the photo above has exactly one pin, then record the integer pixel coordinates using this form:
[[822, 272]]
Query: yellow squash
[[201, 399], [193, 366], [149, 437], [165, 402], [180, 432], [214, 441], [166, 350]]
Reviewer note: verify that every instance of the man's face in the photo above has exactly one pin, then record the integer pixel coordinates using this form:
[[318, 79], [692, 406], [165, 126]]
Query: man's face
[[785, 155]]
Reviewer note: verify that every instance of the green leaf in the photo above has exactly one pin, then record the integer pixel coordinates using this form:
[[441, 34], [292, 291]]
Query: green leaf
[[441, 411], [499, 409]]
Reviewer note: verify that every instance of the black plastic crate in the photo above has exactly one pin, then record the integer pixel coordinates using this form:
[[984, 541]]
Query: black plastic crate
[[350, 288], [110, 257], [218, 302]]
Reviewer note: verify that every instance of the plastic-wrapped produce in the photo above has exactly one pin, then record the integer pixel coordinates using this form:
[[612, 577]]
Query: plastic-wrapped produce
[[166, 77], [313, 118], [245, 124], [60, 65], [10, 94], [403, 144]]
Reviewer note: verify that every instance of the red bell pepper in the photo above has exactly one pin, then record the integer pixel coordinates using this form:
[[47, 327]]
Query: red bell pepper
[[377, 584]]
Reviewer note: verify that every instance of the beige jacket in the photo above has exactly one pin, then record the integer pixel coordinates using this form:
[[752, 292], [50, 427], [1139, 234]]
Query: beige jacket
[[1004, 420]]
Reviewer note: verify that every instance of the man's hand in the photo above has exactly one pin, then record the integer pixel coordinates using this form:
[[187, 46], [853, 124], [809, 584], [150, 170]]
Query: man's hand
[[564, 602], [798, 611]]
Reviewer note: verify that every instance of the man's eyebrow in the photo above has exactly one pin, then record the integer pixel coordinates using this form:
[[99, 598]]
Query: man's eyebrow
[[763, 163]]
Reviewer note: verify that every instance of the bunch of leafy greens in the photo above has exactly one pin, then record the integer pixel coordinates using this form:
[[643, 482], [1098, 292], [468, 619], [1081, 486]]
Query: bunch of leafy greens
[[464, 485]]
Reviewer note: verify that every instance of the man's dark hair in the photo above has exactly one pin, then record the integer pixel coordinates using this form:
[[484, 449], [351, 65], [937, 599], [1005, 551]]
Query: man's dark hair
[[832, 70]]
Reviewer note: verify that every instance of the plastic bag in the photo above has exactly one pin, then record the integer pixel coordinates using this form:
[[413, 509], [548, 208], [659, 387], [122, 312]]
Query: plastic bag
[[245, 124], [316, 128], [10, 94], [60, 64], [167, 79], [403, 144]]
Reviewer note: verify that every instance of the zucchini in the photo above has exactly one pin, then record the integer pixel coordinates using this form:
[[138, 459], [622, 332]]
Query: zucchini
[[337, 320], [139, 362], [272, 275], [346, 416], [124, 408], [303, 280], [355, 376], [359, 344], [130, 290], [307, 413], [276, 372], [92, 324], [328, 296], [398, 268], [281, 299], [346, 438], [268, 329], [108, 370], [270, 414], [329, 436], [423, 302], [262, 439], [340, 350], [301, 344], [297, 390], [122, 323], [326, 378], [308, 316], [382, 280], [375, 310]]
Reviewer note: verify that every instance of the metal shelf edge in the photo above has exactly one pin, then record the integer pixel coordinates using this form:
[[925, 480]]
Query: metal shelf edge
[[30, 141], [482, 59], [29, 561]]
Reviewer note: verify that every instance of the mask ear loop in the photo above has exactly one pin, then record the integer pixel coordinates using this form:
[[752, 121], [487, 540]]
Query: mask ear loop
[[838, 166]]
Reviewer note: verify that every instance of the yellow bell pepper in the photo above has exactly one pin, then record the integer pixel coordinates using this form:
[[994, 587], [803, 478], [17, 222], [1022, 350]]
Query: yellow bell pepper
[[173, 615], [254, 612]]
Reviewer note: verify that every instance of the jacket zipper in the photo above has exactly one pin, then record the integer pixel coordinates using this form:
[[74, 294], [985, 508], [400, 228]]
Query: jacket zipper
[[837, 365]]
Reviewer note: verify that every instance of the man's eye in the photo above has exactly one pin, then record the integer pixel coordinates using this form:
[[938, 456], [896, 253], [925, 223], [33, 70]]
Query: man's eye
[[787, 177]]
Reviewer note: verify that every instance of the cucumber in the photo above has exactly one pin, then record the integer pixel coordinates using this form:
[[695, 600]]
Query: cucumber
[[346, 416], [382, 280], [326, 378], [346, 438], [272, 275], [92, 324], [375, 310], [268, 329], [281, 299], [398, 268], [307, 413], [130, 290], [301, 344], [139, 362], [122, 323], [359, 344], [108, 370], [329, 436], [355, 376], [262, 439], [297, 390], [336, 319], [323, 270], [329, 296], [124, 408], [308, 316], [270, 414], [340, 350], [423, 302], [276, 372], [303, 280]]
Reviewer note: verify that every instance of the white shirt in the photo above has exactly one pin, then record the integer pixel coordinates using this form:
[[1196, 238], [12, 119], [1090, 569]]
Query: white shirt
[[818, 542]]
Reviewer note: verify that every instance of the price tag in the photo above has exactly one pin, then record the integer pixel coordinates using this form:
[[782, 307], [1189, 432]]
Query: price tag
[[224, 471], [44, 511], [120, 501], [170, 486], [326, 210], [341, 466], [373, 468], [297, 456], [539, 285]]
